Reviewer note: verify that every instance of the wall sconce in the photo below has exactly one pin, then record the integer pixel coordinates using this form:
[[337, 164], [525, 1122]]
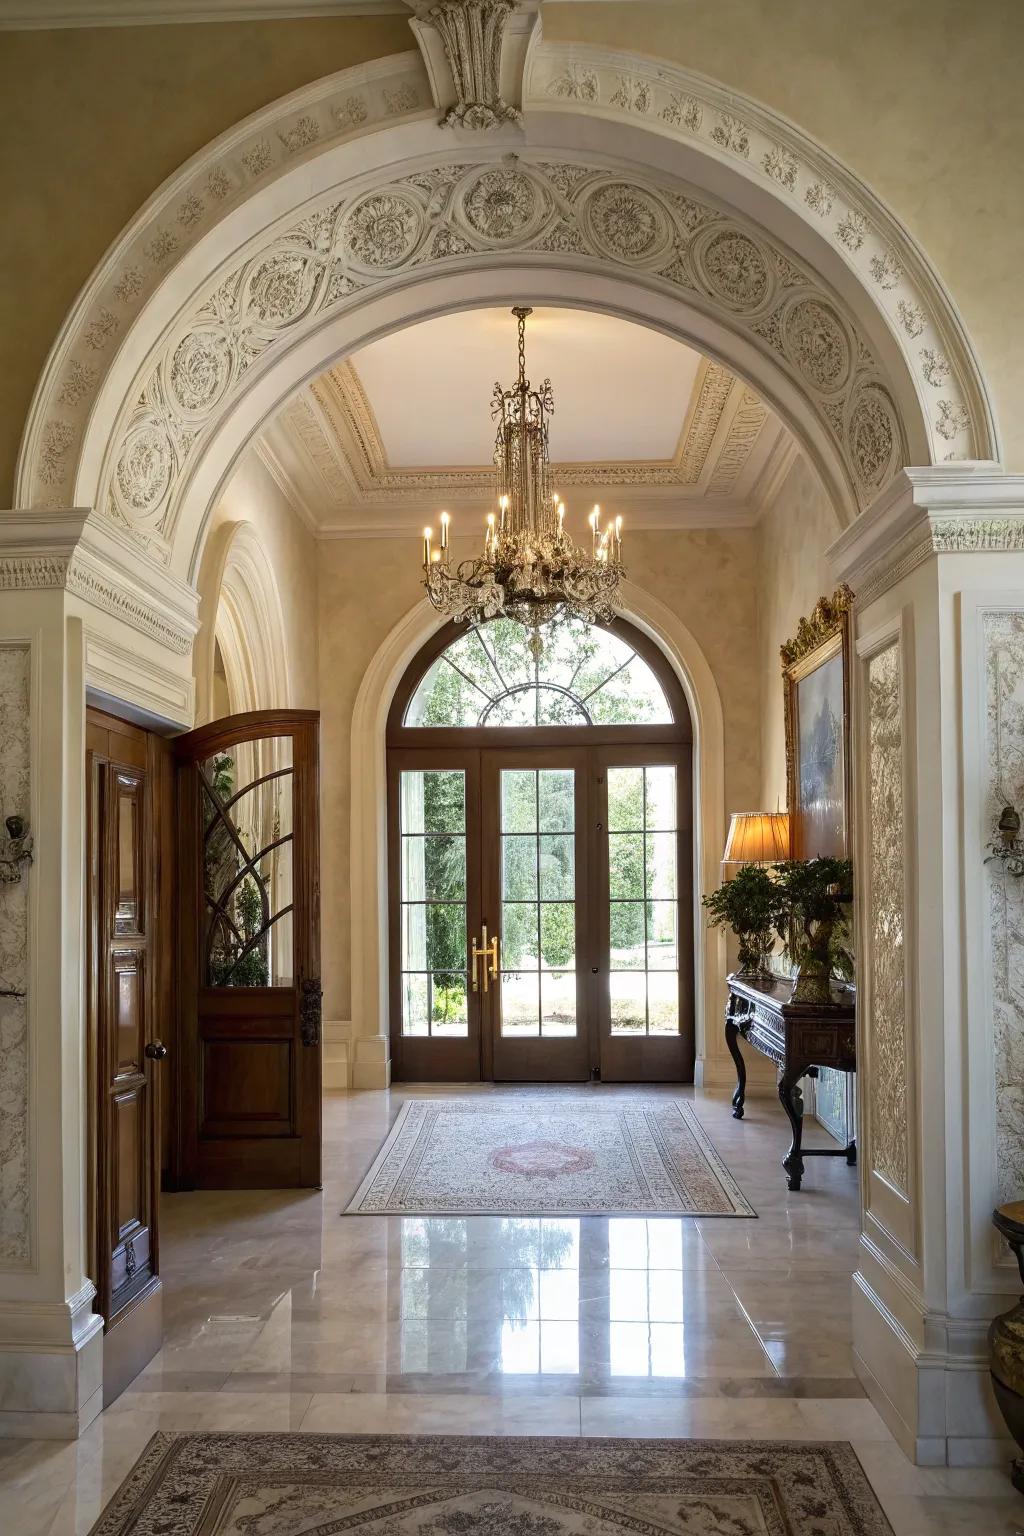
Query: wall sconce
[[15, 850], [1007, 847]]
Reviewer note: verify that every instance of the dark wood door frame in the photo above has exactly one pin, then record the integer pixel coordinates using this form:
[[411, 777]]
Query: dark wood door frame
[[249, 1077], [130, 1016], [411, 746], [652, 1058], [559, 1059]]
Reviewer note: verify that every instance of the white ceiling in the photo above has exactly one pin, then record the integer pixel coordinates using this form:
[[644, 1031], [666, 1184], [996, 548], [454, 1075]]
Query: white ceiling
[[645, 425], [620, 389]]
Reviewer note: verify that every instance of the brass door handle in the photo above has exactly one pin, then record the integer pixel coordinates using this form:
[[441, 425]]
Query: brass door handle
[[488, 953]]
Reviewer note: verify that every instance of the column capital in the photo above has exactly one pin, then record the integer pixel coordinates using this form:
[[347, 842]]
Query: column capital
[[91, 558], [939, 509]]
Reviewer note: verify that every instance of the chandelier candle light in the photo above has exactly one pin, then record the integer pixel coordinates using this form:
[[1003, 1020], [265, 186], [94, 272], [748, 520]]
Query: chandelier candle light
[[531, 569]]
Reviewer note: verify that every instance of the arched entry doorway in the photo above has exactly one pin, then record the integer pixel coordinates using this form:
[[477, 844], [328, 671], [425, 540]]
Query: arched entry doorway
[[540, 820]]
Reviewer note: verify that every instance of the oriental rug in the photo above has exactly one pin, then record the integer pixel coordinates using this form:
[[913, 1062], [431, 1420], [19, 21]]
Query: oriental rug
[[548, 1157], [223, 1484]]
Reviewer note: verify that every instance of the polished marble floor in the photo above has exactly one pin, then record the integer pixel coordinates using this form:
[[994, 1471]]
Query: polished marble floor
[[280, 1313]]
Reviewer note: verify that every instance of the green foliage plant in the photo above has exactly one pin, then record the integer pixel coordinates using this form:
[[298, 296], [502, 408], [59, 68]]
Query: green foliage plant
[[750, 904], [816, 898]]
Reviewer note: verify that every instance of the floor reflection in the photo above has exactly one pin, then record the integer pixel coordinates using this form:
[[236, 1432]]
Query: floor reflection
[[578, 1299]]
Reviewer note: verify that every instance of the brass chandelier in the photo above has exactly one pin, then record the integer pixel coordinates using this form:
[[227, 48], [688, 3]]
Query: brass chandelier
[[531, 568]]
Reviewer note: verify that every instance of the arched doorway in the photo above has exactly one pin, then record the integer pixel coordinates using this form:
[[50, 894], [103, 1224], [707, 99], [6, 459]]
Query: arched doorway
[[540, 819]]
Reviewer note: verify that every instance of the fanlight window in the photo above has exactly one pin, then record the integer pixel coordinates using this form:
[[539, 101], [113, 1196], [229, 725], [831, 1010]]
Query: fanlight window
[[584, 676]]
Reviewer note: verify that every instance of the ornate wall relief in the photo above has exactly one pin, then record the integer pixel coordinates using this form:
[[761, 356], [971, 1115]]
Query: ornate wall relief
[[1003, 650], [15, 1231], [887, 1085], [450, 213]]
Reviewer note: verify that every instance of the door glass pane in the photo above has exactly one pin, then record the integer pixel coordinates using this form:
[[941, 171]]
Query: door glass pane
[[584, 675], [432, 827], [643, 857], [246, 827], [538, 913]]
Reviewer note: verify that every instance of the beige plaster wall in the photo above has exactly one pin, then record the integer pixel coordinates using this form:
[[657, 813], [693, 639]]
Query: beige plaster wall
[[921, 98], [367, 585], [792, 573], [94, 121], [291, 550]]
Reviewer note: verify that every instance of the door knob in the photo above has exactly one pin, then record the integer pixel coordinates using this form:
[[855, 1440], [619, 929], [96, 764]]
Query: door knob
[[156, 1050]]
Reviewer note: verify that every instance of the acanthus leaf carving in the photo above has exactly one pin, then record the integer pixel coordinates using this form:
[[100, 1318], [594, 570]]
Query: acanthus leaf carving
[[886, 1025]]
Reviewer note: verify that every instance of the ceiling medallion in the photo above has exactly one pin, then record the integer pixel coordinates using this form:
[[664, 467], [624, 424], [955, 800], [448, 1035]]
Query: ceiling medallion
[[531, 569]]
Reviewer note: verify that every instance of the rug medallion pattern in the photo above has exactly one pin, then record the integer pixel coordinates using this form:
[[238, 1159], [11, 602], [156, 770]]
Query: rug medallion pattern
[[541, 1157], [218, 1484]]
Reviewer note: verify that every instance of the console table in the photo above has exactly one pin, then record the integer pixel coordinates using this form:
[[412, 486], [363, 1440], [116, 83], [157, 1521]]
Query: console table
[[799, 1038]]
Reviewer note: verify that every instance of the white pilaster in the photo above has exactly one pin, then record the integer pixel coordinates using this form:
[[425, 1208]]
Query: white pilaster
[[937, 563], [71, 615], [51, 1348]]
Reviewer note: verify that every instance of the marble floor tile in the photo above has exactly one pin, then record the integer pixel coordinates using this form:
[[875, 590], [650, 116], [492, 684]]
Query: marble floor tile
[[281, 1313]]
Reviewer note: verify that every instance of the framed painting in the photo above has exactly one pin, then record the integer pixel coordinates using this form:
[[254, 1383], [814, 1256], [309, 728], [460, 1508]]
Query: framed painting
[[816, 684]]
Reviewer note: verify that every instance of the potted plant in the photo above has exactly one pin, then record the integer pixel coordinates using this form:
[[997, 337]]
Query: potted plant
[[815, 897], [749, 905]]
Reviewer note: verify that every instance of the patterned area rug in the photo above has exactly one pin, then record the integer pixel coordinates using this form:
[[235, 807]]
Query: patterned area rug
[[547, 1157], [319, 1485]]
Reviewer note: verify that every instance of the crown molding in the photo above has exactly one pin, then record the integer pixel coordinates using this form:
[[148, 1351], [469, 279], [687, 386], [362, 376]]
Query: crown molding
[[643, 517], [42, 15], [327, 457], [92, 559], [932, 510]]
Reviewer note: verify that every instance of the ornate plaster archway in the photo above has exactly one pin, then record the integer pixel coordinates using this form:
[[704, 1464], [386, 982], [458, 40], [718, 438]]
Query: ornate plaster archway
[[241, 614], [369, 966], [346, 209]]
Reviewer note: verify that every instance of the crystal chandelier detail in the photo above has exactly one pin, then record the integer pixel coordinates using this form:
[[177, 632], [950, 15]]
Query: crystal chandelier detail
[[531, 568]]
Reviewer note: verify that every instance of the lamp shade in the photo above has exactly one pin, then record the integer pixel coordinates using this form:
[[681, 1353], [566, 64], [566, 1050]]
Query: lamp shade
[[757, 837]]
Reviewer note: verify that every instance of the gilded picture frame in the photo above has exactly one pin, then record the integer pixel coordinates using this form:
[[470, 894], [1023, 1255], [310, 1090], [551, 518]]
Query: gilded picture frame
[[816, 691]]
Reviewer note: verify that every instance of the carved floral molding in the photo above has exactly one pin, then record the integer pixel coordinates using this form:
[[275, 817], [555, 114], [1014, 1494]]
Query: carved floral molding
[[453, 213], [886, 1023]]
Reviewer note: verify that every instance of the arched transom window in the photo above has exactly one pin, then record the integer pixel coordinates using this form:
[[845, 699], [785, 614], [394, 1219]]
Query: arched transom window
[[584, 676]]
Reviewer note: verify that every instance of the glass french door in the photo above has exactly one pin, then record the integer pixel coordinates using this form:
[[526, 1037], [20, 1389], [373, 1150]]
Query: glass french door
[[534, 856], [541, 914], [644, 928]]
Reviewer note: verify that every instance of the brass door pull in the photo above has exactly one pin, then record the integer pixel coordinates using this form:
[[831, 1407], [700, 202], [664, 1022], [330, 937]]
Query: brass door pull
[[488, 953]]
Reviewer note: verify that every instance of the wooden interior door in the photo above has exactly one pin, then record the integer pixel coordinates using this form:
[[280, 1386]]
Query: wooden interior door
[[129, 1005], [249, 952], [537, 976]]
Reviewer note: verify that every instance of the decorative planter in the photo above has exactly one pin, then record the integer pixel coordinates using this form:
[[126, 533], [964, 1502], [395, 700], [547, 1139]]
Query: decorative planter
[[813, 983], [1006, 1339]]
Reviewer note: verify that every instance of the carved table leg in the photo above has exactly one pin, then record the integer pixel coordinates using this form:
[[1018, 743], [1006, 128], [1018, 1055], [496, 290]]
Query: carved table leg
[[792, 1100], [732, 1030]]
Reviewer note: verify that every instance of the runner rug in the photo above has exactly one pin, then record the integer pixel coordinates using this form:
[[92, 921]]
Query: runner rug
[[209, 1484], [548, 1157]]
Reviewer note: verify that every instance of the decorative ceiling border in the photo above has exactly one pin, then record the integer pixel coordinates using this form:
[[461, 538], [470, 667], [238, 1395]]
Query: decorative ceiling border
[[334, 422], [773, 151]]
